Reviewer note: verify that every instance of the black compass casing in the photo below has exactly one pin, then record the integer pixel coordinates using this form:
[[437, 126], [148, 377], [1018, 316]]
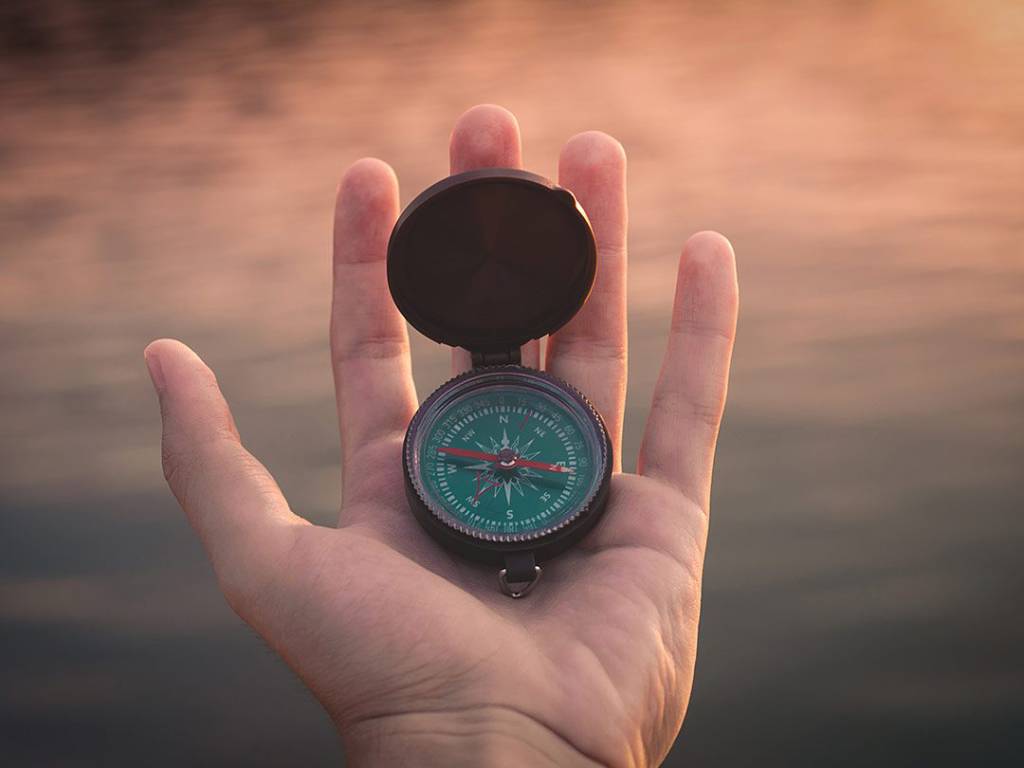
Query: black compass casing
[[494, 552], [488, 260]]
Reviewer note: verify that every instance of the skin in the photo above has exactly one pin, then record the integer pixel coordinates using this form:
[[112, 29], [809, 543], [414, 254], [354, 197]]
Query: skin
[[415, 654]]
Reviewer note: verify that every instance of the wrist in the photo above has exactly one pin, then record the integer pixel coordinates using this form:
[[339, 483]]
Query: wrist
[[483, 736]]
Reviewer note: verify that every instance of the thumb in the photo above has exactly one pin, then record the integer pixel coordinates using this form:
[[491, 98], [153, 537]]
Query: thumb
[[230, 499]]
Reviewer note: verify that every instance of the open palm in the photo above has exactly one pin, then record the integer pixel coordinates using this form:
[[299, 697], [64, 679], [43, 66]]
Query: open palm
[[416, 655]]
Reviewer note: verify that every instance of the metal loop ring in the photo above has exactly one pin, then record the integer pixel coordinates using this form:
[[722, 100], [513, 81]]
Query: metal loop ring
[[521, 588]]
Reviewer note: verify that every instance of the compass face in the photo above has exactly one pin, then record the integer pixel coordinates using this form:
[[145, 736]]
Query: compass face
[[509, 455]]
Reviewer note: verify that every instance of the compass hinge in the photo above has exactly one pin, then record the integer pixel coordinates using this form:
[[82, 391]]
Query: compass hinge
[[506, 357]]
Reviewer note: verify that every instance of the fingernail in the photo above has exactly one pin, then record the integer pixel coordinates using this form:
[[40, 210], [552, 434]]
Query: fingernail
[[156, 371]]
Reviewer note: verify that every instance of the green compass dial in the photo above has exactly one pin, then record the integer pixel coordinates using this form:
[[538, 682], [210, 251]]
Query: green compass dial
[[508, 458]]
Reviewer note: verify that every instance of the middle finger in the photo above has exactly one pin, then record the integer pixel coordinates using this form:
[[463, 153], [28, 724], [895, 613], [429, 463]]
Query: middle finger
[[487, 136]]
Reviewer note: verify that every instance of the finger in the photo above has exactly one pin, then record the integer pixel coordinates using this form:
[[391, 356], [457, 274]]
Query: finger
[[486, 136], [679, 443], [369, 343], [530, 354], [590, 350], [229, 498]]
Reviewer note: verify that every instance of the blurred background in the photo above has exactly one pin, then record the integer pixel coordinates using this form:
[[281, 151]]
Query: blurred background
[[168, 169]]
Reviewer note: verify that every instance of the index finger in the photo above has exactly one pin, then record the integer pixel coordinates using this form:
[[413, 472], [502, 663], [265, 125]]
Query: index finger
[[369, 343]]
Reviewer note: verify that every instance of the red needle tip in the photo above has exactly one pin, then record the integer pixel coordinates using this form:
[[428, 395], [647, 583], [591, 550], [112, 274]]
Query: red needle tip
[[542, 465]]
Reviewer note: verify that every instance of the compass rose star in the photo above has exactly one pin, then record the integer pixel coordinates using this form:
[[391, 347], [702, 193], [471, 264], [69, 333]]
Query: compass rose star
[[524, 477]]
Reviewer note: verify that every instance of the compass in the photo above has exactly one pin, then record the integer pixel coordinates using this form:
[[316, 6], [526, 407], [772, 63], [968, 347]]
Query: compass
[[503, 464]]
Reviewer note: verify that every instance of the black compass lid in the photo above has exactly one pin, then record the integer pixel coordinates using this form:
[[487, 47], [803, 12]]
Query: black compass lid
[[489, 259]]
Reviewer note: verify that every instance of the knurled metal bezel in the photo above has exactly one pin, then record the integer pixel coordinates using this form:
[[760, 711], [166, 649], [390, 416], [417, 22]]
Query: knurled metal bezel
[[515, 540]]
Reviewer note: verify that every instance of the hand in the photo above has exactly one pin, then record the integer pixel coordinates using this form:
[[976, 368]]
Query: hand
[[416, 655]]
